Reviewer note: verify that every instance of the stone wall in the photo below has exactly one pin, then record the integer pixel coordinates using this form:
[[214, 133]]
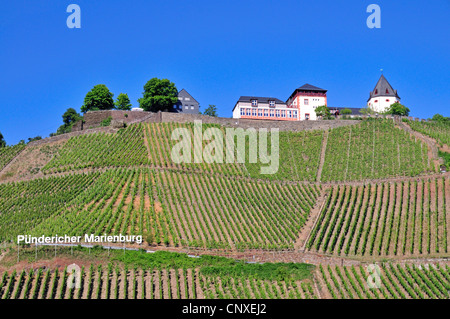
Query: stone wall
[[247, 123], [94, 119]]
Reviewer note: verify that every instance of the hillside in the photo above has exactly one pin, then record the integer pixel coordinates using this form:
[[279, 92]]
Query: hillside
[[367, 192]]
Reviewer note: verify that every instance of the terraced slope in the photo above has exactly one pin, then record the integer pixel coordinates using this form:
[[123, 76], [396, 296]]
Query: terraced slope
[[373, 149], [440, 131], [390, 219], [8, 153], [169, 208], [386, 281]]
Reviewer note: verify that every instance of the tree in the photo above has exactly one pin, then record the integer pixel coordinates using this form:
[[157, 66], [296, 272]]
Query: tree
[[367, 111], [440, 118], [211, 110], [37, 138], [158, 95], [70, 117], [346, 111], [123, 102], [99, 98], [398, 109], [323, 112], [2, 140]]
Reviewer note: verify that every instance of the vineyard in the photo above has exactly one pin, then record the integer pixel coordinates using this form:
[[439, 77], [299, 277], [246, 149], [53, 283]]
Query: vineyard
[[440, 131], [395, 281], [389, 219], [161, 276], [371, 150], [24, 205], [167, 207], [8, 153]]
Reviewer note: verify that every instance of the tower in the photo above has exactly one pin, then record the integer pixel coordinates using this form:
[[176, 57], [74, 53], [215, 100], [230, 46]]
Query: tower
[[382, 96]]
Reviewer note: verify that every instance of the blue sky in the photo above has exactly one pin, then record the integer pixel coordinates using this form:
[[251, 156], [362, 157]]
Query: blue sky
[[217, 51]]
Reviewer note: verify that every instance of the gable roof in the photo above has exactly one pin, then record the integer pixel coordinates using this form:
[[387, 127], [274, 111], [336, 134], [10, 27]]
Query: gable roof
[[306, 87], [260, 100], [383, 88], [185, 93], [309, 87]]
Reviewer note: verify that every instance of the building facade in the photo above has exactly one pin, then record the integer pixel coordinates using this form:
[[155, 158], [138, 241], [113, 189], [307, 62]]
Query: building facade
[[306, 99], [263, 108], [382, 96], [186, 103]]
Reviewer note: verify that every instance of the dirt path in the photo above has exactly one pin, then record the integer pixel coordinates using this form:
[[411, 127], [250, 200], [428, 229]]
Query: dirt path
[[433, 147], [322, 156], [312, 221]]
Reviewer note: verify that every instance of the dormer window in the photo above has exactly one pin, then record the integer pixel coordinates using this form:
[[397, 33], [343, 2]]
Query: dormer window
[[254, 102], [387, 91], [272, 103], [376, 91]]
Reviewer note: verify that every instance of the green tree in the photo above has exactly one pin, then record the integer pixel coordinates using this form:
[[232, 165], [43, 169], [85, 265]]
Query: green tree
[[99, 98], [323, 112], [398, 109], [346, 111], [70, 117], [367, 111], [158, 95], [123, 102], [440, 118], [2, 140], [211, 110], [37, 138]]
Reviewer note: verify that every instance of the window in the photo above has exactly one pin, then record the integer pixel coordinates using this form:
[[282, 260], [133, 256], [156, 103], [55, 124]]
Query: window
[[266, 113], [260, 112], [278, 113], [187, 99], [242, 112], [248, 112], [283, 113], [376, 91], [294, 114], [387, 91], [272, 113], [376, 101], [387, 100], [289, 114], [306, 102], [253, 112], [307, 116], [186, 107], [192, 107], [272, 103], [254, 102]]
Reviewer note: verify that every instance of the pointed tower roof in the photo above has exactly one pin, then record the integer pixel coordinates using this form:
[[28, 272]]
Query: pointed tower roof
[[184, 93], [383, 88]]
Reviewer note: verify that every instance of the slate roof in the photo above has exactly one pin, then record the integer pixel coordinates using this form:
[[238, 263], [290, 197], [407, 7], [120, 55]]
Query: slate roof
[[309, 87], [306, 87], [260, 99], [383, 88], [183, 93]]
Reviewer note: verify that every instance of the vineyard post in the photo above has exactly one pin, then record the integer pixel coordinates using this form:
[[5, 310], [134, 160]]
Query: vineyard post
[[18, 248], [55, 250]]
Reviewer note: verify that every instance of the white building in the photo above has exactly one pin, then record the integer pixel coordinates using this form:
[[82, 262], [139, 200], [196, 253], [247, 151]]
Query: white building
[[306, 99], [382, 96], [263, 108]]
